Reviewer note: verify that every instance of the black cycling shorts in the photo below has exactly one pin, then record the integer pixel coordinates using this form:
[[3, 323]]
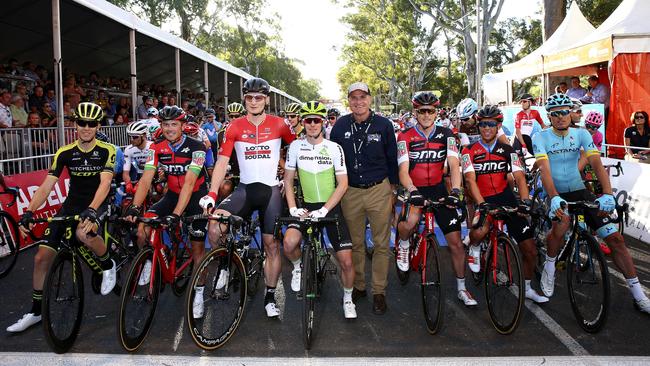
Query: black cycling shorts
[[601, 225], [342, 242], [168, 202], [518, 226], [247, 198], [57, 230], [447, 218]]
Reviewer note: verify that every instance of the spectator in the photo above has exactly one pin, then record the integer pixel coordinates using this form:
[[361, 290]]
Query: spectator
[[597, 93], [593, 121], [164, 101], [37, 100], [561, 88], [73, 92], [142, 108], [637, 135], [51, 99], [18, 111], [33, 120], [29, 70], [21, 90], [48, 114], [67, 109], [576, 91], [6, 118], [102, 100], [120, 119], [171, 100], [368, 141]]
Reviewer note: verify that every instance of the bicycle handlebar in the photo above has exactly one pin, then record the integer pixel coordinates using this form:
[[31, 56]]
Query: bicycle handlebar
[[307, 220], [494, 210]]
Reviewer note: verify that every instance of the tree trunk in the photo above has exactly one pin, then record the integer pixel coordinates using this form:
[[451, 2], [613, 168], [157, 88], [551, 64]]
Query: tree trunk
[[554, 13]]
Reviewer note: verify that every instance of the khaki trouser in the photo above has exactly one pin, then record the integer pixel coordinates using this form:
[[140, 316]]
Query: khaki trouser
[[373, 203]]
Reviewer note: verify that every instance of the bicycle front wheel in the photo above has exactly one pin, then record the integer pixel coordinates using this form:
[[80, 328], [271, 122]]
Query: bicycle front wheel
[[431, 287], [9, 243], [183, 255], [309, 289], [222, 276], [138, 300], [63, 302], [588, 282], [504, 285]]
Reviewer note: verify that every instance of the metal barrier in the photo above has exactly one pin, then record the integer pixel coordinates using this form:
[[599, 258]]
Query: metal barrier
[[29, 149]]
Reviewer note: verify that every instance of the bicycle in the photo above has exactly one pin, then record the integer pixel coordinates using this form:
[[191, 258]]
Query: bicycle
[[315, 260], [10, 238], [168, 265], [502, 274], [224, 299], [64, 285]]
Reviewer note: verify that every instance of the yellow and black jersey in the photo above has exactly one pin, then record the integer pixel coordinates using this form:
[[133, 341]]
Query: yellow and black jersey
[[84, 167]]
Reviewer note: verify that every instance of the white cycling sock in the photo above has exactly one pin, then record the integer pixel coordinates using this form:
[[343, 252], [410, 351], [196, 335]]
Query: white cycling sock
[[635, 288], [528, 288], [347, 294], [296, 263], [460, 283], [549, 265], [404, 244]]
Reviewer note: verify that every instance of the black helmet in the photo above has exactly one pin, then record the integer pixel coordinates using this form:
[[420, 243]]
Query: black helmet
[[102, 137], [490, 111], [425, 98], [333, 112], [526, 96], [256, 85], [172, 113]]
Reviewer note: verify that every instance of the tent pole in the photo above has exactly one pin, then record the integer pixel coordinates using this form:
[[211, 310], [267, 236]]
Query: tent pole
[[178, 77], [478, 52], [58, 70], [241, 89], [275, 104], [225, 90], [206, 87], [134, 78]]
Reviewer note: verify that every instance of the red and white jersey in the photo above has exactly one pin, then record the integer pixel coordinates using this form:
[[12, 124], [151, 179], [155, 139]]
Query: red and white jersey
[[525, 121], [257, 147]]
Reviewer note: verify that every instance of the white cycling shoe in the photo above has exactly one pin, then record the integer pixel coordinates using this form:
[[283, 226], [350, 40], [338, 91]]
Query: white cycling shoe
[[535, 297], [474, 258], [145, 275], [23, 323], [643, 305], [349, 310], [296, 278], [109, 278], [402, 258], [272, 310], [466, 298], [197, 304]]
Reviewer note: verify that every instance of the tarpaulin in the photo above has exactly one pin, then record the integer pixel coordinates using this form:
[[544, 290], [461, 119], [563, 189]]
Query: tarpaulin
[[630, 92]]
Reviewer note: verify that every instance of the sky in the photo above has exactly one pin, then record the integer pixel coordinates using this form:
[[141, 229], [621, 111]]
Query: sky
[[317, 40]]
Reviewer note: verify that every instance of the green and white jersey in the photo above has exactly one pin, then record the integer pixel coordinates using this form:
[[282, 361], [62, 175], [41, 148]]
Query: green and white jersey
[[318, 166]]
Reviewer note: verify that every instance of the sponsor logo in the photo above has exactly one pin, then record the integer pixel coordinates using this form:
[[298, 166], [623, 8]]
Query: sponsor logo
[[185, 150], [257, 152], [525, 229], [453, 221], [347, 135], [401, 148], [440, 135], [431, 155], [244, 136], [490, 166], [500, 150], [451, 144], [466, 161], [374, 137], [515, 160], [198, 158]]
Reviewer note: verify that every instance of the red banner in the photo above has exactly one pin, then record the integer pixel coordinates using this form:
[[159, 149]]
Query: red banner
[[28, 183]]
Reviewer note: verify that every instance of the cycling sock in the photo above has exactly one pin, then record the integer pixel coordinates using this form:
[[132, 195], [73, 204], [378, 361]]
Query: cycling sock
[[105, 261], [528, 288], [635, 288], [549, 265], [296, 263], [404, 244], [37, 299], [270, 295], [347, 294], [460, 283]]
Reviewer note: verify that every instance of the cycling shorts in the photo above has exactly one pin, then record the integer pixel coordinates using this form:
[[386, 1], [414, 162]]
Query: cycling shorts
[[340, 239], [57, 230], [518, 226], [601, 225], [247, 198], [447, 218], [168, 202]]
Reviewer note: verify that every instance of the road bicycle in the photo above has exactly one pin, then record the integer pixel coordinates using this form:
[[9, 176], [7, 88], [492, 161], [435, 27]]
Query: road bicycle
[[10, 238], [155, 265], [228, 274], [315, 264]]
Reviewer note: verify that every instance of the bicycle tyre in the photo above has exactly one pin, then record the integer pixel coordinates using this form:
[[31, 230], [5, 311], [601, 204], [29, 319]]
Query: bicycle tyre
[[431, 288], [254, 270], [540, 224], [502, 289], [183, 278], [9, 246], [309, 287], [236, 285], [133, 333], [64, 283], [591, 322]]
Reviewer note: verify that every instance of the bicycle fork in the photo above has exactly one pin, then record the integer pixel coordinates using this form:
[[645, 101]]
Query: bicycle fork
[[498, 227]]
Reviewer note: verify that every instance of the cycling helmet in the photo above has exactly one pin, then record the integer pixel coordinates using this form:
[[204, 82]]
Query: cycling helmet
[[453, 115], [594, 118], [527, 97], [577, 104], [293, 108], [256, 85], [396, 127], [189, 118], [152, 111], [172, 113], [191, 128], [87, 111], [333, 112], [210, 112], [157, 135], [136, 129], [490, 111], [425, 98], [153, 128], [558, 100], [102, 137], [313, 108], [236, 108], [466, 108]]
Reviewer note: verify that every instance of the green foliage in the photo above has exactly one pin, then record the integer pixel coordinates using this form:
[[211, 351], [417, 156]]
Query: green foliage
[[512, 39], [596, 11]]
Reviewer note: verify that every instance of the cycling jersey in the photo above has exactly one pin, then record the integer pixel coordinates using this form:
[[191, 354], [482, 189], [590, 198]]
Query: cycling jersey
[[257, 147], [470, 134], [445, 122], [526, 120], [152, 124], [426, 155], [211, 131], [491, 164], [563, 153], [84, 167], [188, 154], [134, 157], [317, 166]]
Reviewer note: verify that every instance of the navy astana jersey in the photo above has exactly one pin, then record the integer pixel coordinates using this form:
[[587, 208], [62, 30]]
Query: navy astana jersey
[[84, 167]]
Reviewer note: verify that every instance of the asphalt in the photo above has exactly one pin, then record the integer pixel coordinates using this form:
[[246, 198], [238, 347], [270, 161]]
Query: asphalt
[[548, 331]]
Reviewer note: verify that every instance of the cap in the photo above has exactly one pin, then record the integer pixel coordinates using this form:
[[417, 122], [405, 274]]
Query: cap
[[358, 86]]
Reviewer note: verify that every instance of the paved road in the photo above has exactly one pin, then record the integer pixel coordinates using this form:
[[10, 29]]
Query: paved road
[[550, 330]]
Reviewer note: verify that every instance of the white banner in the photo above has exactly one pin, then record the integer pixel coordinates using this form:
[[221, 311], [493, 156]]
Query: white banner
[[633, 187]]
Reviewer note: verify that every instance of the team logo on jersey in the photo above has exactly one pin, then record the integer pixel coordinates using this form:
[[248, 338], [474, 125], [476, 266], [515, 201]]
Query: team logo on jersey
[[401, 148], [198, 158], [466, 161], [515, 160], [150, 156], [451, 144], [95, 153], [440, 135], [185, 150], [500, 150], [374, 137], [347, 135], [323, 152]]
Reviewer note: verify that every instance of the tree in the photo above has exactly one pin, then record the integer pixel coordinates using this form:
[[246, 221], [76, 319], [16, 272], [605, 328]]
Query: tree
[[596, 11], [554, 13], [512, 39]]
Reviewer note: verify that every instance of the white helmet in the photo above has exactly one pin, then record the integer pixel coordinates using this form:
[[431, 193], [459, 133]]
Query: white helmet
[[466, 108], [136, 129], [152, 112]]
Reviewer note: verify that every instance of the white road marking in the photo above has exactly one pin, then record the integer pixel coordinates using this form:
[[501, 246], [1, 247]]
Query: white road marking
[[280, 297], [621, 277], [179, 334], [555, 328]]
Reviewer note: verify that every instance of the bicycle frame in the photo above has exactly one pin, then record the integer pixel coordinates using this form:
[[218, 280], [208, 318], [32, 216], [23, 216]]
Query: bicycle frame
[[419, 254], [496, 227], [167, 265]]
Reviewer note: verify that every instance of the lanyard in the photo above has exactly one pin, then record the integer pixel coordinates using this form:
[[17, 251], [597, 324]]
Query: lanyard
[[357, 149]]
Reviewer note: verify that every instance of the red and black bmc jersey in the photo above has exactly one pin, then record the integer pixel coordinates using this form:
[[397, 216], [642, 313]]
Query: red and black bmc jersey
[[189, 155], [426, 155], [491, 166]]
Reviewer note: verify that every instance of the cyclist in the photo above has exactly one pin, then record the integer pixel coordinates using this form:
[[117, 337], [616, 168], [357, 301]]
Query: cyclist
[[524, 124], [235, 110], [468, 132], [486, 166], [293, 119], [90, 164], [256, 139], [320, 166], [135, 155], [576, 112], [332, 115], [421, 155], [557, 151], [182, 159], [593, 121], [193, 131], [211, 127], [152, 121]]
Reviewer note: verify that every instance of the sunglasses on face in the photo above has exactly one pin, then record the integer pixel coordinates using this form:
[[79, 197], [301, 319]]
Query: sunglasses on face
[[311, 121], [640, 116], [487, 124], [465, 119], [232, 116], [590, 127], [426, 111], [331, 118], [134, 137], [579, 111], [257, 98], [560, 113], [292, 116], [91, 124]]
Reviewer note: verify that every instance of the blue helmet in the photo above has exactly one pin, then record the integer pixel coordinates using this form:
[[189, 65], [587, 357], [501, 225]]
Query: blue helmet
[[558, 100], [466, 108]]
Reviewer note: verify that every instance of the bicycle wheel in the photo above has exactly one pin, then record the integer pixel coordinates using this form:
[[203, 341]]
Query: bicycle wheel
[[223, 308], [138, 301], [183, 278], [588, 282], [504, 285], [309, 287], [431, 287], [63, 302], [254, 270], [541, 225], [9, 243]]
